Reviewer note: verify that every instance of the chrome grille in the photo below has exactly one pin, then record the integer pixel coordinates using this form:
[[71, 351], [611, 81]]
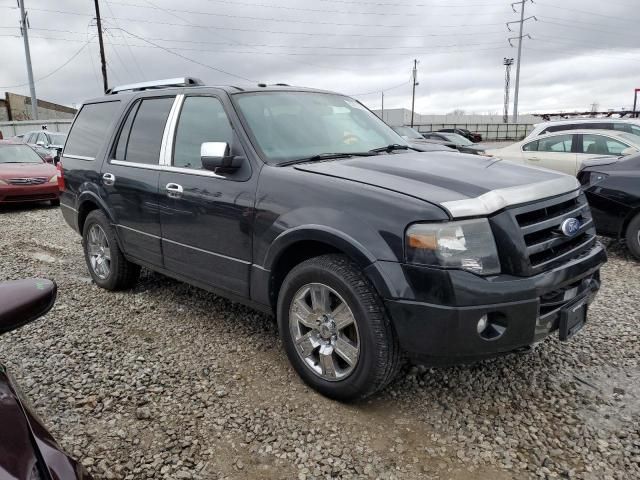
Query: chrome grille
[[540, 224], [28, 181]]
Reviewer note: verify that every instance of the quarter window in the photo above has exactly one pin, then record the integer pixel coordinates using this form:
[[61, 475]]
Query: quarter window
[[85, 138], [202, 119], [141, 135], [531, 147], [600, 145]]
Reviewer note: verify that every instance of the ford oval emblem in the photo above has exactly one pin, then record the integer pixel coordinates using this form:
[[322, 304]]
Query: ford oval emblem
[[570, 226]]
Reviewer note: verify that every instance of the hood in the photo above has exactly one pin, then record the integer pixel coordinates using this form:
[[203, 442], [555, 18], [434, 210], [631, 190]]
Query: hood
[[20, 170], [463, 185]]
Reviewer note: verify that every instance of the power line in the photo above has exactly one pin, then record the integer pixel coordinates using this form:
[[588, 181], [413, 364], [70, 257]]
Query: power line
[[219, 70], [403, 84], [586, 12], [124, 38], [54, 71], [429, 5], [280, 32]]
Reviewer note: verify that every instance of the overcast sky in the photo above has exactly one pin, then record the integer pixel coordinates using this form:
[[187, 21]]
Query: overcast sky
[[581, 51]]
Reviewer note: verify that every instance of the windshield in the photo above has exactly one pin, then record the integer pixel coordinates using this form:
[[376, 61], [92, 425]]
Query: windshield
[[457, 139], [57, 138], [18, 154], [408, 132], [630, 138], [294, 125]]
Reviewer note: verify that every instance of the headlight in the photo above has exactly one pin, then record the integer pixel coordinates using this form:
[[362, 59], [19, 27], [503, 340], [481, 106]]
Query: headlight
[[2, 182], [467, 245], [54, 179], [596, 177]]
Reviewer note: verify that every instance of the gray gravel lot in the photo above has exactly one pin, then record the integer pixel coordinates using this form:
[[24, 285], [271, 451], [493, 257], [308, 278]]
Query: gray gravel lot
[[168, 381]]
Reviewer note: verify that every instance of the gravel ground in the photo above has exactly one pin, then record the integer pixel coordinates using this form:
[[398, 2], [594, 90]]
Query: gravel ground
[[168, 381]]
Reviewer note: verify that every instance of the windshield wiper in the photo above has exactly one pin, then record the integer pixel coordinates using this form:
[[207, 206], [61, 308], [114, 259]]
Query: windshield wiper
[[390, 148], [326, 156]]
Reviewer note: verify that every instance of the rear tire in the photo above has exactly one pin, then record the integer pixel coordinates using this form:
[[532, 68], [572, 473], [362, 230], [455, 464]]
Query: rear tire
[[107, 265], [633, 236], [335, 330]]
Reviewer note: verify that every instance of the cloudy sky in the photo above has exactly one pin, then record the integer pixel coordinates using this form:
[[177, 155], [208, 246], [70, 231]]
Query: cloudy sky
[[580, 52]]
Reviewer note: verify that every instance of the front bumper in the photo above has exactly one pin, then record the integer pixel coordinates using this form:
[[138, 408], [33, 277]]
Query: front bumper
[[29, 193], [440, 320]]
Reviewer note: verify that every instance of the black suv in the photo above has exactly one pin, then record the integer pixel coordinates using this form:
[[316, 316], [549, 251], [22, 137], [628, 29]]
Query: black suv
[[303, 203]]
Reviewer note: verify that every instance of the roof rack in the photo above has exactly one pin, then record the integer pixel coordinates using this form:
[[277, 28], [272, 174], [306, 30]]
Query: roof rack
[[169, 82]]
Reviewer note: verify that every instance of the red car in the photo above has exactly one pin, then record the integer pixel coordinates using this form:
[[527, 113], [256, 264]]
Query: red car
[[25, 177]]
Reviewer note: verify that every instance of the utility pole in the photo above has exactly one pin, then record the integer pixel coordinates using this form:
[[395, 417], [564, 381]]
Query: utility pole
[[507, 83], [520, 36], [414, 76], [24, 27], [103, 62]]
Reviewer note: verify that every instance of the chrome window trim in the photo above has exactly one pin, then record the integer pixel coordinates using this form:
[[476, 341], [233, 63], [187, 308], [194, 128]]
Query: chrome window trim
[[165, 168], [495, 200], [166, 147], [78, 157]]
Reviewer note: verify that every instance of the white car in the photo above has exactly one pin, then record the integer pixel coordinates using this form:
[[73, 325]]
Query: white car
[[566, 151], [617, 124]]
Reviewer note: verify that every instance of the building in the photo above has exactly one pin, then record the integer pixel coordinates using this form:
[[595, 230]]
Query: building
[[15, 108]]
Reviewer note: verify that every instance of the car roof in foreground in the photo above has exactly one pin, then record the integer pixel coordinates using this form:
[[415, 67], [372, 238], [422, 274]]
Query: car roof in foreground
[[568, 121]]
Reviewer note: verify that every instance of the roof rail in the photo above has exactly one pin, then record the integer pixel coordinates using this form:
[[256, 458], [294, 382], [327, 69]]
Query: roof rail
[[169, 82]]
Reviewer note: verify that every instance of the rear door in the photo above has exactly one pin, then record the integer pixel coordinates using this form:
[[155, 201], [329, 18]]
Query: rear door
[[130, 177], [596, 145], [555, 152], [206, 217]]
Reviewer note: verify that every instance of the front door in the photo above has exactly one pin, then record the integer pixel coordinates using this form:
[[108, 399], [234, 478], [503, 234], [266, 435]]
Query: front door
[[206, 218], [130, 178]]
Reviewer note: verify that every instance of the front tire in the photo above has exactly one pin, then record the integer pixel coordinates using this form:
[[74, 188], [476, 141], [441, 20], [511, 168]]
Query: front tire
[[107, 265], [632, 236], [335, 330]]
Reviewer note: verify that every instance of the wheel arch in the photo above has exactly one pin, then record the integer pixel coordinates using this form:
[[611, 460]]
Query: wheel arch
[[297, 245], [627, 220]]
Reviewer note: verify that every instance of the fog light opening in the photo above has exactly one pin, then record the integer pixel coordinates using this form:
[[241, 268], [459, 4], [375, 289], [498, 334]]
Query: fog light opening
[[490, 328]]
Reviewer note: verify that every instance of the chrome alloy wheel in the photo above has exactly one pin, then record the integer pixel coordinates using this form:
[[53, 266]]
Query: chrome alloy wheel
[[98, 251], [324, 331]]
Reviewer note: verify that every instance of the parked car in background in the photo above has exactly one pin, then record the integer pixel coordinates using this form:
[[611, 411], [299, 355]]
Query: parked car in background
[[567, 151], [613, 191], [617, 124], [27, 450], [472, 136], [25, 176], [458, 142], [304, 204], [417, 141], [46, 144]]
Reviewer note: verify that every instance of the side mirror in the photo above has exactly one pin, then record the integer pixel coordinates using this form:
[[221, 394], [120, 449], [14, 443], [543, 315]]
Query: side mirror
[[629, 151], [23, 301], [216, 156]]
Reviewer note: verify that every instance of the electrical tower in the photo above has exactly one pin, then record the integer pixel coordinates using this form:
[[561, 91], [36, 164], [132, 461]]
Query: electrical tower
[[414, 78], [520, 36], [507, 83], [24, 27]]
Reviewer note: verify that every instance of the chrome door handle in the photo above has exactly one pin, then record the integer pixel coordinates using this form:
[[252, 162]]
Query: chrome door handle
[[174, 190], [108, 179], [534, 159]]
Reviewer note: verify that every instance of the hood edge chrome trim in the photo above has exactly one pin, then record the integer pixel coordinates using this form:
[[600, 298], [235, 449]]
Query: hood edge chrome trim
[[495, 200]]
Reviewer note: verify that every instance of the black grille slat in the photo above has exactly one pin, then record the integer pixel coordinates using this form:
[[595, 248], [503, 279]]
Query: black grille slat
[[540, 224]]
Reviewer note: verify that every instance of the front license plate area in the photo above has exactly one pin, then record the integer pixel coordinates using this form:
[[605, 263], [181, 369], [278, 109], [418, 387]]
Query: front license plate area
[[572, 319]]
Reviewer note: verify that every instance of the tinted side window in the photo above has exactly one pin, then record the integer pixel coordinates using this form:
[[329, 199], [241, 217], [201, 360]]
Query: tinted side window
[[599, 145], [144, 141], [121, 148], [531, 147], [90, 127], [202, 119], [559, 144]]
